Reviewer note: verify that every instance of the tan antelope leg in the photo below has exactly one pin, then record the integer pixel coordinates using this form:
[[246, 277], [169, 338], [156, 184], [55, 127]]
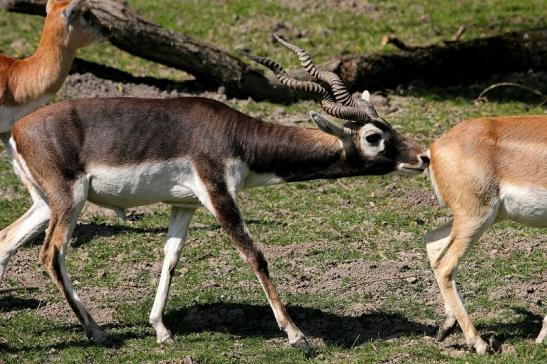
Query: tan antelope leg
[[176, 236], [222, 204], [445, 248], [65, 211], [542, 337]]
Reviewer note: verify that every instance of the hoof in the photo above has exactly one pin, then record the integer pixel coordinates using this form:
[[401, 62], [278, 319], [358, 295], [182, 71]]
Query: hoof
[[480, 346], [100, 337], [163, 335], [446, 329], [165, 340], [302, 343]]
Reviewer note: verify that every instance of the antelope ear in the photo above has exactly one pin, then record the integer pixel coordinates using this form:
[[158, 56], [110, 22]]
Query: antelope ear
[[328, 127], [73, 9], [49, 5]]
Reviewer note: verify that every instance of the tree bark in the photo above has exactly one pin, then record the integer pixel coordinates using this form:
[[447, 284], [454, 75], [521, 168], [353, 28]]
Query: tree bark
[[451, 63]]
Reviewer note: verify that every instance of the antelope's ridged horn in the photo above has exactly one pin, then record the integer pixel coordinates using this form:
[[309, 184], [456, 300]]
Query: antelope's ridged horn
[[350, 113], [364, 104], [341, 94], [279, 72]]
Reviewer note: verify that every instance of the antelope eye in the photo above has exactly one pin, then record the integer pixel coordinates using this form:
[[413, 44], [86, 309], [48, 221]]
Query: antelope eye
[[373, 138]]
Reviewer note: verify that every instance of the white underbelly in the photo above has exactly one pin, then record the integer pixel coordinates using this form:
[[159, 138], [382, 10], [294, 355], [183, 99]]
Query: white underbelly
[[524, 204], [10, 114], [173, 182]]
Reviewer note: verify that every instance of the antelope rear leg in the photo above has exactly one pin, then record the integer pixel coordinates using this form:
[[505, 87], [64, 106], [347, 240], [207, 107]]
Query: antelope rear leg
[[542, 337], [64, 215], [446, 246], [176, 236], [32, 223], [436, 240]]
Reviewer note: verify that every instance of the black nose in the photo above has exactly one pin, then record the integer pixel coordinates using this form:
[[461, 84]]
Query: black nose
[[425, 159]]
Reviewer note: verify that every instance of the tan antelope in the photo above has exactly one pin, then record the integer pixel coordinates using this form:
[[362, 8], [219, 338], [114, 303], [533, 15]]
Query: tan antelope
[[28, 83], [484, 170], [192, 152]]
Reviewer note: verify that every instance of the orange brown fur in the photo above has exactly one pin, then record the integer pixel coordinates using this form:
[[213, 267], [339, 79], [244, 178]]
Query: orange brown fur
[[485, 170], [44, 72]]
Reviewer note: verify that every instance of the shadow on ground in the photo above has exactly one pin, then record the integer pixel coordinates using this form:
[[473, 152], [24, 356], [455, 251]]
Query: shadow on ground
[[11, 303], [247, 320], [89, 231], [527, 328], [253, 320], [535, 80]]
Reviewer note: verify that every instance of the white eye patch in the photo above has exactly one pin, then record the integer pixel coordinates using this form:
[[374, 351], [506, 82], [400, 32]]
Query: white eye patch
[[372, 140]]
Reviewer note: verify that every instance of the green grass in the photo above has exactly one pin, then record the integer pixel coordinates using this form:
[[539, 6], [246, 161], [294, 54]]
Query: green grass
[[323, 29], [217, 311]]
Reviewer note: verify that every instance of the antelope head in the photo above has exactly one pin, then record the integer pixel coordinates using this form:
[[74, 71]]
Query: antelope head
[[73, 24], [363, 133]]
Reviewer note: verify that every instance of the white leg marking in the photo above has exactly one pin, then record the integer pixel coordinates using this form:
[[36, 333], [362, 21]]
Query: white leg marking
[[543, 333], [32, 223], [176, 236]]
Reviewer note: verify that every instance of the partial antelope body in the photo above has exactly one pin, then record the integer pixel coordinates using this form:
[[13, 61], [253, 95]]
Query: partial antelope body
[[188, 152], [27, 84], [485, 170]]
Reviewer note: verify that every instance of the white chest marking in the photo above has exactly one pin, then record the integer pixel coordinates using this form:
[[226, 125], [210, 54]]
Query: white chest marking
[[524, 204], [10, 114]]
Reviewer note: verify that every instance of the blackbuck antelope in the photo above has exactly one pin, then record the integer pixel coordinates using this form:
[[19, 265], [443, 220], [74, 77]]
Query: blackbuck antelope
[[485, 170], [28, 83], [191, 152]]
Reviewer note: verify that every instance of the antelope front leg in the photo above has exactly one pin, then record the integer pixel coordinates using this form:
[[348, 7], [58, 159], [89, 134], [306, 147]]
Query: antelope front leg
[[176, 236], [226, 211]]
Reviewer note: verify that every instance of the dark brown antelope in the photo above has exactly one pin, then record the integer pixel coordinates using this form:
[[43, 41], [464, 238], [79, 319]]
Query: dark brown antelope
[[484, 170], [28, 83], [192, 152]]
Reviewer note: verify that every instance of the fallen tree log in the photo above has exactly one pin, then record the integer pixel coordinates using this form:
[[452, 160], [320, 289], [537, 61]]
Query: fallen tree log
[[137, 36], [451, 63]]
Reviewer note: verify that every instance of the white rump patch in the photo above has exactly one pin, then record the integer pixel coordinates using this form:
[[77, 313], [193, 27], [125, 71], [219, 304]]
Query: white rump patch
[[524, 204]]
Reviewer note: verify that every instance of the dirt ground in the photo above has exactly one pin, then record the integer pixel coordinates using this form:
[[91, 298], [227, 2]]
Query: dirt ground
[[372, 282]]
